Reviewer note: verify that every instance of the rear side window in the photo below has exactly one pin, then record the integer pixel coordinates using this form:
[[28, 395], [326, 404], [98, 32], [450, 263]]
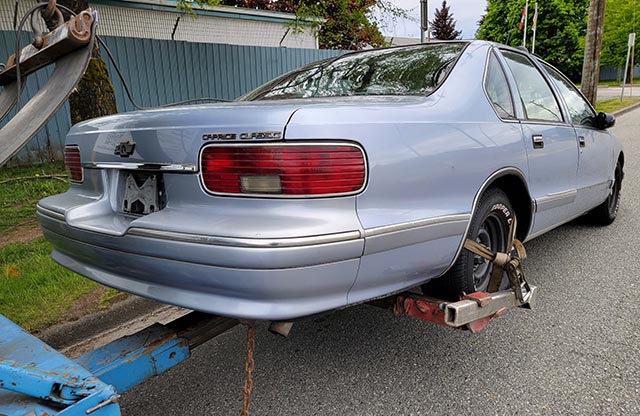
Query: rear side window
[[579, 109], [411, 70], [536, 95], [497, 88]]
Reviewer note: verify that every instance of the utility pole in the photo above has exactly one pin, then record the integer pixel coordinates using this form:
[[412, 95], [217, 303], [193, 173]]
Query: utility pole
[[526, 17], [592, 48], [424, 19]]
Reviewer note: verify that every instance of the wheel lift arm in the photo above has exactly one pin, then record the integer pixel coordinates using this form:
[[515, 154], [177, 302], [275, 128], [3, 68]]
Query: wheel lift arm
[[475, 310], [36, 379]]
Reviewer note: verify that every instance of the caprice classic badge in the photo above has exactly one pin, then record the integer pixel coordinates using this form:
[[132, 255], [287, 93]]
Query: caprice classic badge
[[256, 135]]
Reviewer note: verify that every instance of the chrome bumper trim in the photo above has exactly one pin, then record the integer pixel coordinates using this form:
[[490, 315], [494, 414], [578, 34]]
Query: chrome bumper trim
[[280, 242], [246, 242], [162, 167], [49, 213], [404, 226]]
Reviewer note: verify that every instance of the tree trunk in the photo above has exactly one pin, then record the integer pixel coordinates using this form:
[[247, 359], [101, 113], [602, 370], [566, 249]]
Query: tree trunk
[[592, 48], [94, 96]]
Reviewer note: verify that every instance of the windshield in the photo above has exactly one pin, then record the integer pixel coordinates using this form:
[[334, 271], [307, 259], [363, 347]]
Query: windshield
[[413, 70]]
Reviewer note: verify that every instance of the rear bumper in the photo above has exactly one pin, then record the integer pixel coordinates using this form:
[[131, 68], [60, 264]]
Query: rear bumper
[[242, 278]]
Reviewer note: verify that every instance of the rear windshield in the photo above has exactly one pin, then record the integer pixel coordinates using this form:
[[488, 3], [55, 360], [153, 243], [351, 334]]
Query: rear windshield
[[413, 70]]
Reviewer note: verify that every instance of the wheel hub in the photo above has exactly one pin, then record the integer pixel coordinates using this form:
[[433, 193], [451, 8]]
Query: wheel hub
[[492, 234], [480, 264]]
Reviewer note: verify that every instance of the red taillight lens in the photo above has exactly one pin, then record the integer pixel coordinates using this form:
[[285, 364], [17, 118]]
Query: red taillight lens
[[73, 164], [295, 170]]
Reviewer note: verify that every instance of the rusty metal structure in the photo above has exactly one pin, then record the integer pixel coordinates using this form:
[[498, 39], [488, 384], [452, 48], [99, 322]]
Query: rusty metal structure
[[69, 47], [474, 311]]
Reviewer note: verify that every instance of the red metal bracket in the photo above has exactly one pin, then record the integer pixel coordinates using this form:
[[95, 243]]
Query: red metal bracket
[[434, 310], [419, 308]]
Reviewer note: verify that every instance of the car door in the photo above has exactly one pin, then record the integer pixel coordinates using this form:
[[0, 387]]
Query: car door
[[595, 156], [550, 142]]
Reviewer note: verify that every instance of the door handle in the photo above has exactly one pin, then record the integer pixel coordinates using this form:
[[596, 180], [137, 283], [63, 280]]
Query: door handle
[[538, 141], [581, 141]]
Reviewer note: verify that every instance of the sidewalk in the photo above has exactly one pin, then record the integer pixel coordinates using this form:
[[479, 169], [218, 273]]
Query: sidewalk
[[606, 93]]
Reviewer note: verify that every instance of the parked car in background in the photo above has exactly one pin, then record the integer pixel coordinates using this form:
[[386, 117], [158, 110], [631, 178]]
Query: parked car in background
[[346, 180]]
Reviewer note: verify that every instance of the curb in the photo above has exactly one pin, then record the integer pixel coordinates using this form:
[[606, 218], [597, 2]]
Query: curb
[[626, 110]]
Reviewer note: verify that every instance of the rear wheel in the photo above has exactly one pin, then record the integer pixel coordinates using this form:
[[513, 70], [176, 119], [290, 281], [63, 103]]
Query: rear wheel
[[472, 273], [606, 213]]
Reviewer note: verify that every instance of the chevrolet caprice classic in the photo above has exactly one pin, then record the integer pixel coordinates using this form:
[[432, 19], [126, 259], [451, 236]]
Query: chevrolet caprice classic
[[344, 181]]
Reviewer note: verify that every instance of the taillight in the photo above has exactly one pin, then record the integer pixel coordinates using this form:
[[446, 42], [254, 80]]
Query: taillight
[[288, 170], [72, 163]]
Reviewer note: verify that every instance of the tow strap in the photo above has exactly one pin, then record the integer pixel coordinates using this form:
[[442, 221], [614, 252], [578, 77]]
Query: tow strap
[[509, 262]]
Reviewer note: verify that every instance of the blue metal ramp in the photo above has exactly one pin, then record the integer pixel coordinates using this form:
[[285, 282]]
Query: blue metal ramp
[[36, 380]]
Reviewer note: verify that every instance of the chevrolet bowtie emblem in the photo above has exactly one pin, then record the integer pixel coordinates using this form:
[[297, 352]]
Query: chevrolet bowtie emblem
[[125, 149]]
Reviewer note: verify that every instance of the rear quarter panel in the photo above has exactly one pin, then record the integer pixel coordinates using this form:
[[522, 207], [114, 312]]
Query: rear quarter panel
[[428, 158]]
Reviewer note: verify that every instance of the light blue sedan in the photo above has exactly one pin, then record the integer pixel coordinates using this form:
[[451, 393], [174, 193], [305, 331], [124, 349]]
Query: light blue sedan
[[344, 181]]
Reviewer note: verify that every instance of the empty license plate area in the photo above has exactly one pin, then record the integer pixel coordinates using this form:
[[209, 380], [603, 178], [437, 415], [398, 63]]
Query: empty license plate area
[[143, 193]]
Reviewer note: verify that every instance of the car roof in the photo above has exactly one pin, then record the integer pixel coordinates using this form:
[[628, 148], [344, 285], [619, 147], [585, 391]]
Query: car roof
[[399, 47], [437, 41]]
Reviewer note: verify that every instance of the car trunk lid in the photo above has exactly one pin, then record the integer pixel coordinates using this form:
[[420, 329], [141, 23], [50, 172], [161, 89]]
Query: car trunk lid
[[174, 136]]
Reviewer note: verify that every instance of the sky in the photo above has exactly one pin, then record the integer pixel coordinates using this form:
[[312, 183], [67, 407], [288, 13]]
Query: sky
[[465, 12]]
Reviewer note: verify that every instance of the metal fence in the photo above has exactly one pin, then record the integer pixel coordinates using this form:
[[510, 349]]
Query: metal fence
[[160, 72], [610, 73]]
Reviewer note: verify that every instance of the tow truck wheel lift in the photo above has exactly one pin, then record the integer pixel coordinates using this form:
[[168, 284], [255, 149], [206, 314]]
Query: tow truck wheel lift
[[37, 380]]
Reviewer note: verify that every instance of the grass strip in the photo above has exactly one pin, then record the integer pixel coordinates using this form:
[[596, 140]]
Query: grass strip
[[20, 190], [615, 104], [36, 291], [109, 297]]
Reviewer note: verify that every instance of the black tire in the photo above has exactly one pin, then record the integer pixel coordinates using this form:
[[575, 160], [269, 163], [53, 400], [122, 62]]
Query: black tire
[[606, 213], [471, 273]]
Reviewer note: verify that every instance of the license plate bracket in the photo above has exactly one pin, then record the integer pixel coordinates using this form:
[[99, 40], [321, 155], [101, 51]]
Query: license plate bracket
[[143, 193]]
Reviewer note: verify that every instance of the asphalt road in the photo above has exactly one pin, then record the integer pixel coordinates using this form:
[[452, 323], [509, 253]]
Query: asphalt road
[[577, 352], [607, 93]]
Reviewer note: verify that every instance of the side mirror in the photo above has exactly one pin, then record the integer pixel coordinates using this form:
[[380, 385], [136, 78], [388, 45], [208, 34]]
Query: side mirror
[[605, 120]]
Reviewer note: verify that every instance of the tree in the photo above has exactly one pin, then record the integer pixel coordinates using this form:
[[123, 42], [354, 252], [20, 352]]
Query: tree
[[494, 23], [443, 26], [94, 96], [592, 49], [560, 33], [618, 23], [349, 24], [187, 5]]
